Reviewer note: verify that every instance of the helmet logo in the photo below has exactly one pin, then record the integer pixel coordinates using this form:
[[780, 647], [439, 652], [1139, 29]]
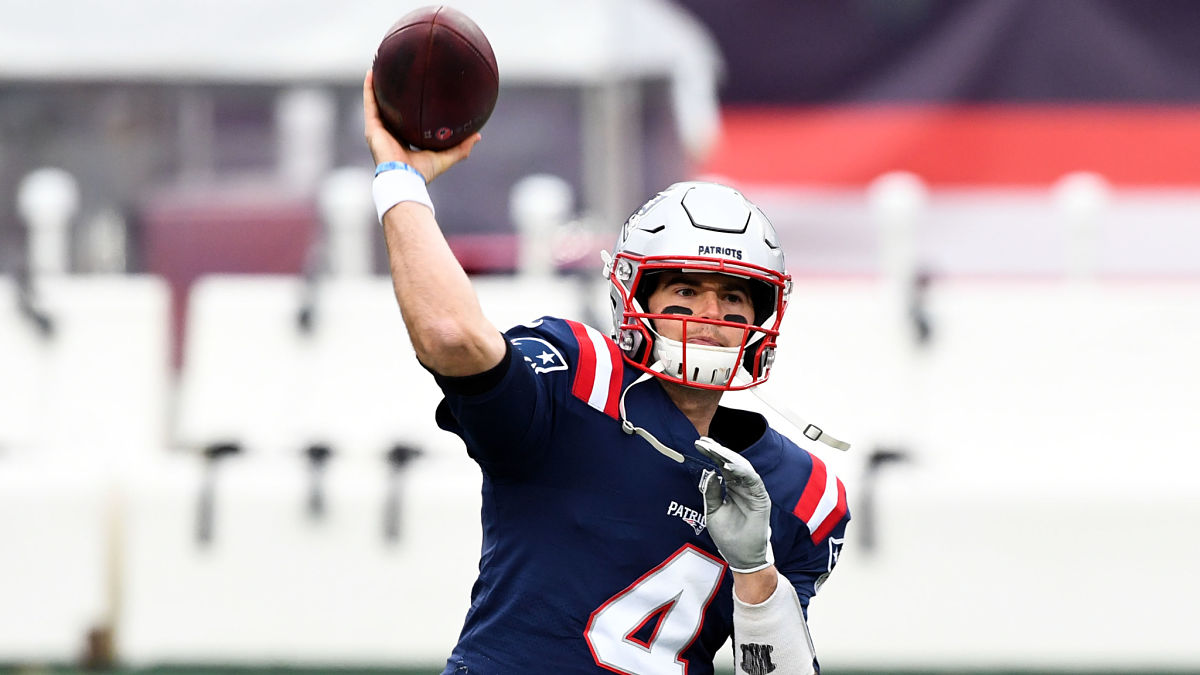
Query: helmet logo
[[632, 223], [721, 251]]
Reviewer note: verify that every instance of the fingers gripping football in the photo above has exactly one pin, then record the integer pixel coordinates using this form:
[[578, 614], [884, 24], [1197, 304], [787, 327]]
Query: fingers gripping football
[[739, 520], [385, 148]]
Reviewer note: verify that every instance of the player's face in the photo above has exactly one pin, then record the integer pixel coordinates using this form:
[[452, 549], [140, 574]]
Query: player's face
[[705, 296]]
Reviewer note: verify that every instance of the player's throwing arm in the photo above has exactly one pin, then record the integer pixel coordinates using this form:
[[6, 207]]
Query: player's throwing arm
[[445, 323]]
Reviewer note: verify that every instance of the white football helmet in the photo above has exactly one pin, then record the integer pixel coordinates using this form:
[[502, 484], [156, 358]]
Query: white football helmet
[[697, 227]]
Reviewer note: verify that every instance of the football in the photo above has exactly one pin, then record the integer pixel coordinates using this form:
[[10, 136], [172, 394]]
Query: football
[[435, 78]]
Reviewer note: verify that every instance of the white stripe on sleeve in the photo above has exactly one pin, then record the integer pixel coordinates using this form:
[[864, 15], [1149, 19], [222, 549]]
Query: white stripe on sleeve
[[598, 399], [828, 503]]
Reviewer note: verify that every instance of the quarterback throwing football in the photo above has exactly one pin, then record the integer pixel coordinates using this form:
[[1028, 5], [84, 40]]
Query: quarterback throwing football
[[630, 523]]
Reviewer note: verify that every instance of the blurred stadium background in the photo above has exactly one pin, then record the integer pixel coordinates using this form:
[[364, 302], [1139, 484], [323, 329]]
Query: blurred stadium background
[[217, 453]]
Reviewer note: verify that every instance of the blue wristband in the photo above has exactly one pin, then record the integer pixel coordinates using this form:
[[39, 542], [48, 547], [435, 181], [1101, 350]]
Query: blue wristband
[[394, 166]]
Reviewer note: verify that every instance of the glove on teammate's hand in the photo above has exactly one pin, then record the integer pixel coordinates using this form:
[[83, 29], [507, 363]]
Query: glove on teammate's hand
[[740, 523]]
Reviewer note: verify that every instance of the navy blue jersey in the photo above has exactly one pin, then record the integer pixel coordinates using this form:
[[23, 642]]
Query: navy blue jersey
[[595, 554]]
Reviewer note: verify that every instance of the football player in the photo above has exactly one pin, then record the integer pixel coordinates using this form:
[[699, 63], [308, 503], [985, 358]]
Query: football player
[[630, 523]]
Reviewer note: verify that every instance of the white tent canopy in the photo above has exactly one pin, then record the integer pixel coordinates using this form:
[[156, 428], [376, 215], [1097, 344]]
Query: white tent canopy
[[273, 40], [568, 42]]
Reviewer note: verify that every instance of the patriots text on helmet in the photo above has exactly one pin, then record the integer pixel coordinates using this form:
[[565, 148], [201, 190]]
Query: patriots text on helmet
[[723, 251]]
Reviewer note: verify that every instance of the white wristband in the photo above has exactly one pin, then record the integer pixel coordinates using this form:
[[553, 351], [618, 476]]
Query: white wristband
[[772, 636], [392, 187]]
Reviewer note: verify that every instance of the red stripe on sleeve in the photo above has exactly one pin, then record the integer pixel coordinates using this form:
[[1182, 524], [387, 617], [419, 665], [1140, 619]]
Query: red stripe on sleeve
[[813, 491], [585, 371], [611, 407], [834, 517]]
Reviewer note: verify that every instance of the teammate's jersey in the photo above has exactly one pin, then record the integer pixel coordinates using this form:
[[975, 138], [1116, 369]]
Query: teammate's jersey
[[595, 553]]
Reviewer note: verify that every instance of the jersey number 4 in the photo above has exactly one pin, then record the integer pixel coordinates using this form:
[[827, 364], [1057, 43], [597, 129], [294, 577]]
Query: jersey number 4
[[643, 629]]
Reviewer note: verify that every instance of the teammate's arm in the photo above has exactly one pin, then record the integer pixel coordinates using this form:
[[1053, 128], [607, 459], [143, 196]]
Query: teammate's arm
[[445, 323]]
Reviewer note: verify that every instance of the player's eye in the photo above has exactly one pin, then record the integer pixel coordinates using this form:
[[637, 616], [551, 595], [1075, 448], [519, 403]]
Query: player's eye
[[685, 291], [735, 298]]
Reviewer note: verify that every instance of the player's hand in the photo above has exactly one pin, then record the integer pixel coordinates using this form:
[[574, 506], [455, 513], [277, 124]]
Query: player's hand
[[740, 521], [386, 148]]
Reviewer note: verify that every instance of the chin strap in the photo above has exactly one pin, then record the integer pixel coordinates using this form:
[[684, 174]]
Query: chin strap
[[811, 431], [629, 428]]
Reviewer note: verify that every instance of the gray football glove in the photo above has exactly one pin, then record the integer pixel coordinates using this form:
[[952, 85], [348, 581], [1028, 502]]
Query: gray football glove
[[740, 521]]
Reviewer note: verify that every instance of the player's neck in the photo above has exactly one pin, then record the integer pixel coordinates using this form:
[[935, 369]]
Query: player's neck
[[698, 405]]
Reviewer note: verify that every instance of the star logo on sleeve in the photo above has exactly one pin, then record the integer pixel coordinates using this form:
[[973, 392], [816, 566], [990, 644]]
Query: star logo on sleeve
[[542, 356]]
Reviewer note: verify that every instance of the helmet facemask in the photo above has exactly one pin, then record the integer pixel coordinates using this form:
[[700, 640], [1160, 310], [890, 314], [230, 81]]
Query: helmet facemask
[[688, 363], [688, 228]]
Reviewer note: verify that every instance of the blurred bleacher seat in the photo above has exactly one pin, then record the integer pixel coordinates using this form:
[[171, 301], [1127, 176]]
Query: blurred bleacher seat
[[277, 584], [274, 579], [56, 525], [79, 403], [97, 383], [1040, 514]]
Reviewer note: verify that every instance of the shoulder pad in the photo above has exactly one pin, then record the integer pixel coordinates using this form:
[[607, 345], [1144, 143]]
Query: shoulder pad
[[814, 494], [588, 357]]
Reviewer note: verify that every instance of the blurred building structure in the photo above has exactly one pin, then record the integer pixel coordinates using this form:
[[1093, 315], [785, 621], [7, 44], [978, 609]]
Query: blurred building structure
[[205, 136], [989, 101]]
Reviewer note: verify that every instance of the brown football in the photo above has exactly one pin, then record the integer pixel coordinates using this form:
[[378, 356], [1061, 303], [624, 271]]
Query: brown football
[[436, 79]]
